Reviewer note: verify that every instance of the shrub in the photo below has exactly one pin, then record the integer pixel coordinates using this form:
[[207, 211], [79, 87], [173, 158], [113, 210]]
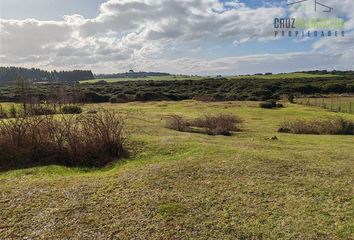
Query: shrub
[[279, 105], [268, 104], [113, 99], [41, 110], [204, 98], [71, 109], [95, 97], [120, 98], [331, 126], [177, 123], [221, 124], [85, 140]]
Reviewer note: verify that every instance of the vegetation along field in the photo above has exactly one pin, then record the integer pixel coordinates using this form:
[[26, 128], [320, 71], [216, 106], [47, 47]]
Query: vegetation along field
[[217, 89], [188, 185], [333, 103]]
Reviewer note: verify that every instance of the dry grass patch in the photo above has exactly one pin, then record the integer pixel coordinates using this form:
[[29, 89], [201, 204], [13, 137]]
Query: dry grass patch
[[84, 140], [220, 124], [330, 126]]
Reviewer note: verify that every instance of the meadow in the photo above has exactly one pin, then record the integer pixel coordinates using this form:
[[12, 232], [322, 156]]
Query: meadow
[[181, 185]]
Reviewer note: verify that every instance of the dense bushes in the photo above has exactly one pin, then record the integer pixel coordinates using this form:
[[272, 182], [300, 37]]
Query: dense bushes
[[333, 126], [218, 89], [221, 124], [84, 140]]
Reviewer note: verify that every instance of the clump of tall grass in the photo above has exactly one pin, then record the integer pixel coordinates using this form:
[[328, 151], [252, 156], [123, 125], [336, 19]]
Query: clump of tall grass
[[83, 140], [221, 124], [329, 126]]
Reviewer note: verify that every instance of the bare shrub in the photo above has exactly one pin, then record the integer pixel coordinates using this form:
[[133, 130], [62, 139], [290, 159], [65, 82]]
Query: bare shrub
[[177, 123], [330, 126], [222, 124], [103, 137], [85, 140]]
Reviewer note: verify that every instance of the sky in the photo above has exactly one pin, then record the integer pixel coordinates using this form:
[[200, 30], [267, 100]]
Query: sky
[[203, 37]]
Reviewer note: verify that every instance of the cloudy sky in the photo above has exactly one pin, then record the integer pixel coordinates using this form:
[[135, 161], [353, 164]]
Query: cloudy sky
[[203, 37]]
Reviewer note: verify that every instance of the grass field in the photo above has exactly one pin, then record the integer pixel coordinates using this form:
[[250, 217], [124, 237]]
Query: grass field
[[332, 103], [177, 77], [192, 186]]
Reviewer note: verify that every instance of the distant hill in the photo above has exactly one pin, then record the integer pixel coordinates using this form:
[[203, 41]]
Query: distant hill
[[9, 74], [131, 74]]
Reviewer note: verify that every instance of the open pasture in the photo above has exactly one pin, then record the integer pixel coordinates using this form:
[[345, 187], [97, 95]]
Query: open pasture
[[182, 185]]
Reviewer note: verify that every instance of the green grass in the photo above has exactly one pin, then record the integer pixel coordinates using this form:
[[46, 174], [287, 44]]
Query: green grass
[[192, 186]]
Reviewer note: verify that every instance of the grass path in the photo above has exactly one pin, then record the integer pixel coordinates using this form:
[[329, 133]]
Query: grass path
[[192, 186]]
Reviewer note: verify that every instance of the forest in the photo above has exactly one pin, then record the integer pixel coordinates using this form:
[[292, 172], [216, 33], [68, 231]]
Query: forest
[[9, 74]]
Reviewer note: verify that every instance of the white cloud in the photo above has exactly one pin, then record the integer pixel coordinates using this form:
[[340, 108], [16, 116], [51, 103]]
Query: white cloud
[[127, 32]]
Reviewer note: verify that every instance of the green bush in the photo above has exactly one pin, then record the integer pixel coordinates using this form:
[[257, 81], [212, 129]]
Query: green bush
[[268, 104], [113, 99], [271, 104], [71, 109]]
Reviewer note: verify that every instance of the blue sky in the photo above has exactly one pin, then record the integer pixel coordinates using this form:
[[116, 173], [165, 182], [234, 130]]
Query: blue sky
[[180, 36]]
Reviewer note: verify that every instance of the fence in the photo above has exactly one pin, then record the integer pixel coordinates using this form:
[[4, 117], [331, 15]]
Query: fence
[[335, 104]]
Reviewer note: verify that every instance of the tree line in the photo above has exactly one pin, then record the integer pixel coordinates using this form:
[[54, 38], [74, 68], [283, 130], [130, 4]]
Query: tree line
[[9, 74]]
